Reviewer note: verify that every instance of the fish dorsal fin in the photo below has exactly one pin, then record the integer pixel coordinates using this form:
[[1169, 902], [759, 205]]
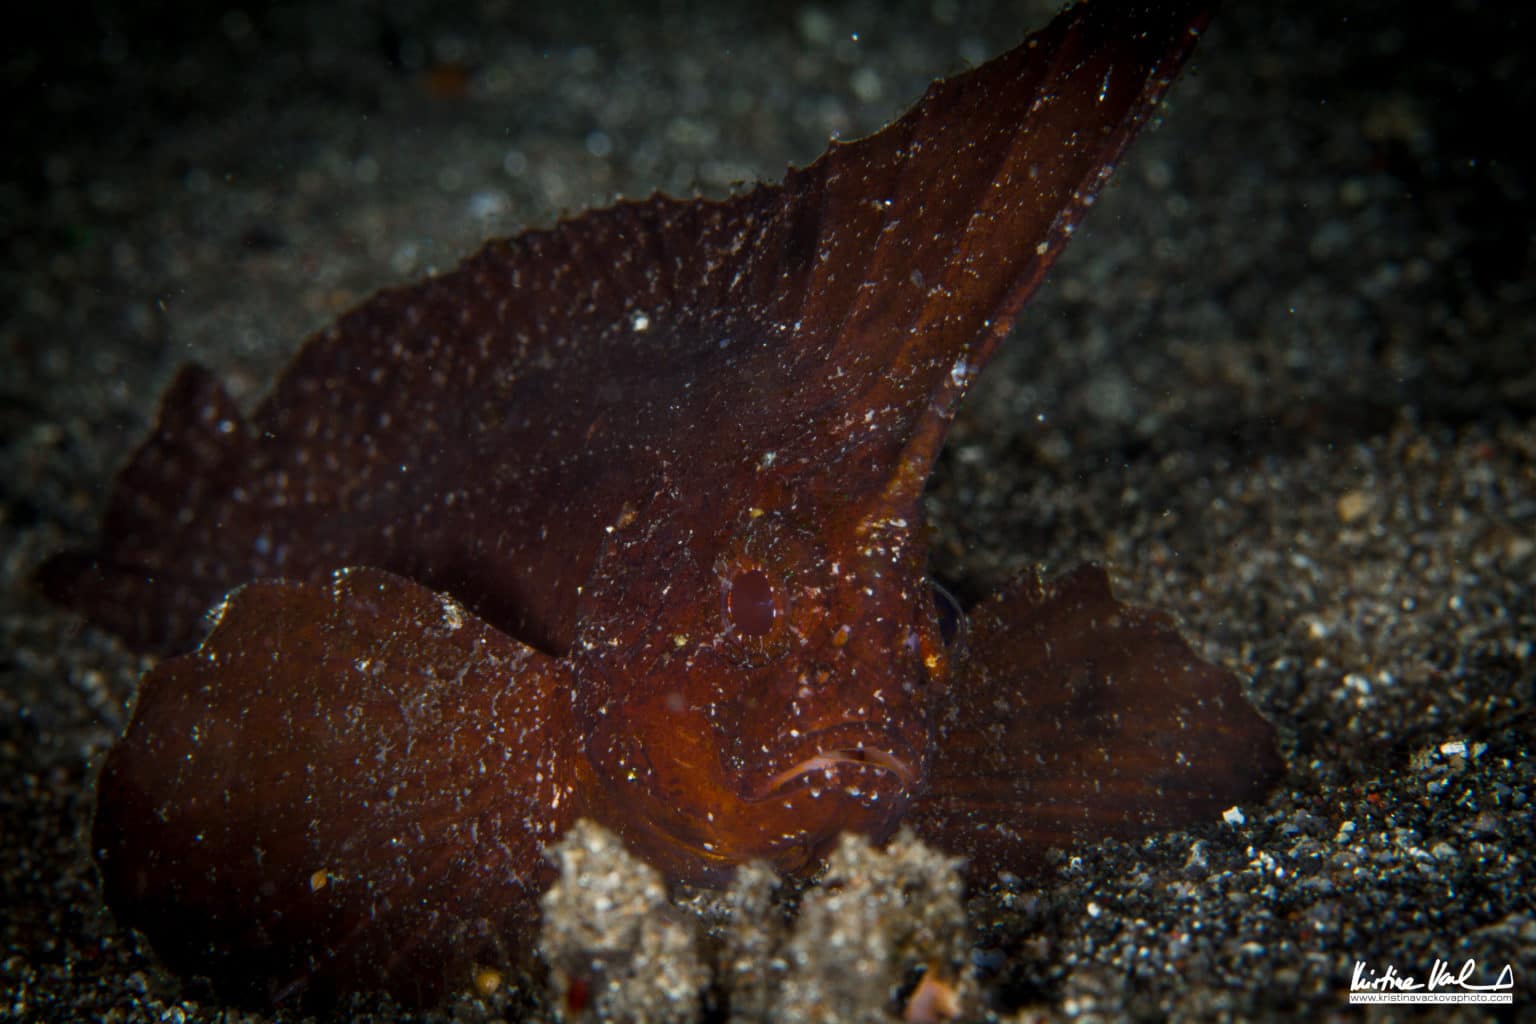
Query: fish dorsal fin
[[199, 447]]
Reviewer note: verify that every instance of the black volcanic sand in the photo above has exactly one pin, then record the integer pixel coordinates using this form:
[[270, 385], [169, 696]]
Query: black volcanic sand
[[1282, 384]]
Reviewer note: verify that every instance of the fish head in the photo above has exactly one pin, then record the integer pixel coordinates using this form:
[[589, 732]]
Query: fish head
[[774, 689]]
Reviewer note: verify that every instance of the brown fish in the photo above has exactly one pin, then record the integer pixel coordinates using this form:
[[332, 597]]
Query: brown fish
[[622, 520]]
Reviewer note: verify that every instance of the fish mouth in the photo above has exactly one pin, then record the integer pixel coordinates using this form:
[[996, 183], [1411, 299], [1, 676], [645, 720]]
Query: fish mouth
[[866, 756]]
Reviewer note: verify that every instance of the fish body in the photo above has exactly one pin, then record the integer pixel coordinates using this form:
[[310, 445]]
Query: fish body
[[622, 520]]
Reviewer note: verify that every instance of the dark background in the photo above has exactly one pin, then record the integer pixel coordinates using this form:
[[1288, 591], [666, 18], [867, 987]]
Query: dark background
[[1282, 384]]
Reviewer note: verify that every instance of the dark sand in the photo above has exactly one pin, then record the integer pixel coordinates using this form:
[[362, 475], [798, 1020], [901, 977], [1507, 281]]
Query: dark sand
[[1282, 383]]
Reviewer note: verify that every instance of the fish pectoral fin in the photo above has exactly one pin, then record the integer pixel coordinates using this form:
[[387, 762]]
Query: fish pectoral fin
[[347, 786], [1075, 717]]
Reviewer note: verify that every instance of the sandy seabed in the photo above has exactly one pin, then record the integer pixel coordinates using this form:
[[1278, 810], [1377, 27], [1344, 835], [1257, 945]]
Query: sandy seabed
[[1282, 384]]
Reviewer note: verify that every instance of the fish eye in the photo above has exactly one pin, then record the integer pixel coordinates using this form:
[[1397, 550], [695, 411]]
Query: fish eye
[[759, 571], [951, 617], [749, 603], [754, 611]]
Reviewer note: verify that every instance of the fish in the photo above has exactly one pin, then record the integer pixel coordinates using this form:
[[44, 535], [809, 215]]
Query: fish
[[622, 520]]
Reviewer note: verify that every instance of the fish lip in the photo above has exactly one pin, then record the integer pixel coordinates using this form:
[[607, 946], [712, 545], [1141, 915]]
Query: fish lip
[[867, 749]]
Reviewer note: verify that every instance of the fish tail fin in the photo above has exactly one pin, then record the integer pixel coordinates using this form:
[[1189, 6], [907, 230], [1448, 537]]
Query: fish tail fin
[[199, 444], [1077, 718]]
